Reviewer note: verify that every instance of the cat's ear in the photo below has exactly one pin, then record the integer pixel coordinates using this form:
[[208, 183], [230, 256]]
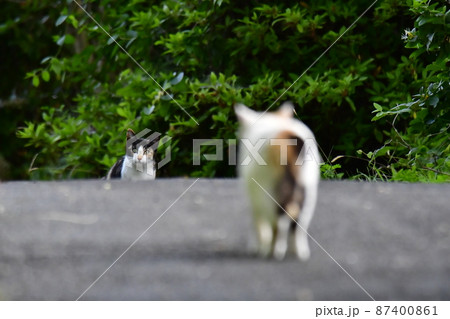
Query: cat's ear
[[130, 133], [286, 110], [154, 141], [245, 115]]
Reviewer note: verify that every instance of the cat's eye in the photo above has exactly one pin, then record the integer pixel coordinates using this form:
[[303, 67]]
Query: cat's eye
[[134, 149]]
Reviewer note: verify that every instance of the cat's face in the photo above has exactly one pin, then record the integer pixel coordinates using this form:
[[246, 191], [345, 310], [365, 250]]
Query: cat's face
[[141, 150]]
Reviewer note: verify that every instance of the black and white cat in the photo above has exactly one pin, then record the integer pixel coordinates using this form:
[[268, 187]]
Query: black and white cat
[[284, 172], [139, 160]]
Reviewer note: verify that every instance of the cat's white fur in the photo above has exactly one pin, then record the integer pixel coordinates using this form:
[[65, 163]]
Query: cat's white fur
[[137, 164], [140, 166], [256, 127]]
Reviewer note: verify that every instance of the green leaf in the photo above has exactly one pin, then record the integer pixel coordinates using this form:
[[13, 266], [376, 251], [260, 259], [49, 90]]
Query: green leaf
[[121, 112], [35, 81], [56, 66], [73, 21], [167, 97], [112, 39], [45, 76], [44, 60], [177, 79], [350, 102], [220, 117], [149, 110], [69, 39], [422, 20], [213, 78], [60, 20], [433, 101], [61, 40]]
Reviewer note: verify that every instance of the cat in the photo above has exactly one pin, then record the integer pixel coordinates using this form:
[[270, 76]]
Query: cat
[[139, 160], [286, 166]]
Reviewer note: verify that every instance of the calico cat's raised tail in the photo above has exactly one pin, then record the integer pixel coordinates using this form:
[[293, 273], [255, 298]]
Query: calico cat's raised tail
[[282, 182], [139, 160]]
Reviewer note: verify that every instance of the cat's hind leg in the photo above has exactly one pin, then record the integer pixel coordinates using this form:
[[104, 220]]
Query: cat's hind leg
[[265, 237], [281, 241], [301, 232], [264, 218], [301, 241]]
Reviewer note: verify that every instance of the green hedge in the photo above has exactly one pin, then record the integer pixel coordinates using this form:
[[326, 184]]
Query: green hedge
[[418, 148], [209, 55]]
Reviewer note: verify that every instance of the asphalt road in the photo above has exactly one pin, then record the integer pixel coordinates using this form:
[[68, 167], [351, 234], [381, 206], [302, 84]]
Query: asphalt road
[[57, 238]]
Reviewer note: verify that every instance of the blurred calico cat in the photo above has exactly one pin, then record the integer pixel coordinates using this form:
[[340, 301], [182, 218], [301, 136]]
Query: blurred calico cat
[[139, 160], [278, 155]]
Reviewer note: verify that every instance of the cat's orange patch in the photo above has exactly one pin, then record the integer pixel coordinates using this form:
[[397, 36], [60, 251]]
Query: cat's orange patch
[[283, 153]]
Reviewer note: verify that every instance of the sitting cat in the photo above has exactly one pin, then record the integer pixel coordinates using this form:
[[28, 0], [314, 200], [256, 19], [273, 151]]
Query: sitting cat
[[139, 160], [281, 179]]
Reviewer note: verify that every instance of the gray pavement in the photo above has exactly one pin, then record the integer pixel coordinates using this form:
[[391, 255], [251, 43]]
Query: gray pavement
[[56, 238]]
